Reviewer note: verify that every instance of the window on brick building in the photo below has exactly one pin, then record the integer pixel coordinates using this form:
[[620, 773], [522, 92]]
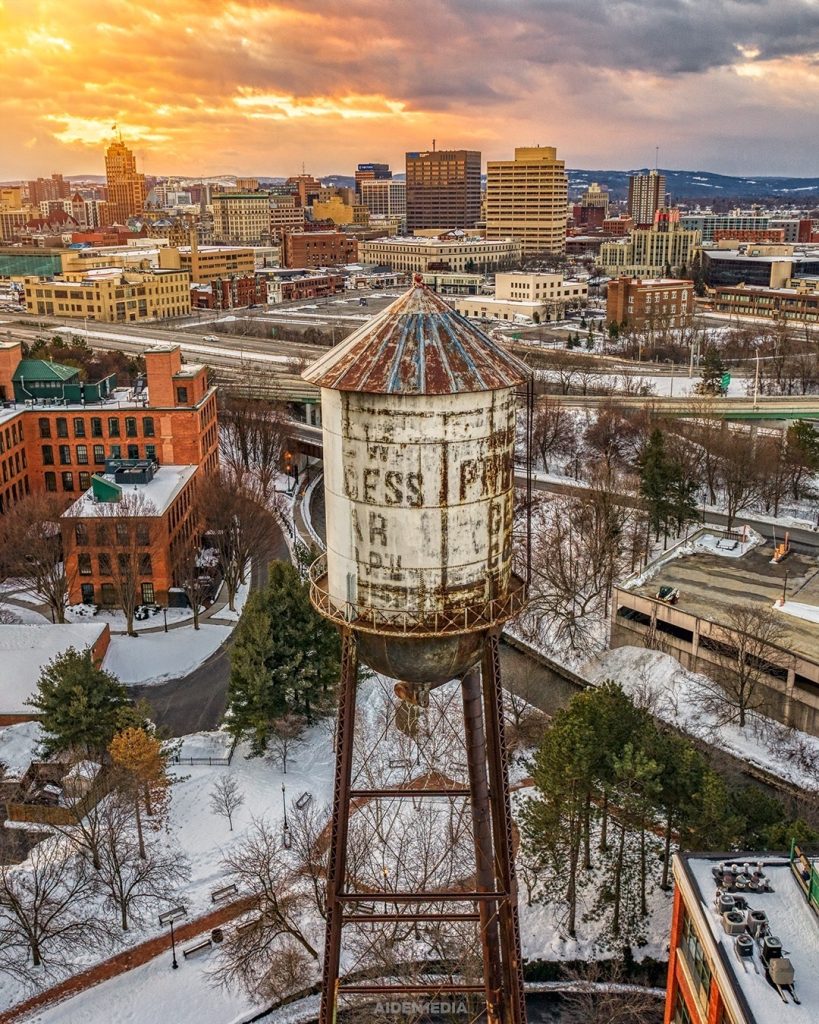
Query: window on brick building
[[150, 452], [122, 533], [99, 454], [143, 535], [113, 427], [116, 451], [87, 593], [148, 596], [84, 563], [145, 564], [51, 481], [48, 455], [108, 594], [68, 481], [82, 454], [133, 451], [45, 427], [104, 562], [81, 533], [79, 426], [130, 426], [182, 395], [148, 426], [96, 426], [65, 454], [62, 426], [85, 481]]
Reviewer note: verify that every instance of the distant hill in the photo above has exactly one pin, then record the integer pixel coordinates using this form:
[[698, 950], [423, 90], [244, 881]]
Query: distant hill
[[701, 185]]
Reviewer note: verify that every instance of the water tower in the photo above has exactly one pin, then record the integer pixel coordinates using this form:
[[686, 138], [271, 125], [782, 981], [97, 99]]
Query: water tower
[[419, 413]]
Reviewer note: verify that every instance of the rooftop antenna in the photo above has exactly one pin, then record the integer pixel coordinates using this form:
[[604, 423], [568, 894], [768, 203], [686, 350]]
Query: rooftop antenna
[[656, 158], [433, 145]]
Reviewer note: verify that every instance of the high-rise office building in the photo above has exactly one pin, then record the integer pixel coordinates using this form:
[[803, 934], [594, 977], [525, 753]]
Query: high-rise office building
[[443, 189], [43, 189], [371, 172], [126, 188], [241, 217], [384, 198], [527, 199], [646, 195]]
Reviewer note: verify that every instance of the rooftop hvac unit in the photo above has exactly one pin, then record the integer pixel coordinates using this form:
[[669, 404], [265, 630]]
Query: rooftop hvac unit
[[757, 923], [771, 948], [725, 902], [733, 922], [781, 971], [744, 946]]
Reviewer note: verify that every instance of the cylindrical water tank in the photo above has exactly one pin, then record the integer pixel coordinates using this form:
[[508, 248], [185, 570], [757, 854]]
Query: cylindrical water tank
[[419, 413]]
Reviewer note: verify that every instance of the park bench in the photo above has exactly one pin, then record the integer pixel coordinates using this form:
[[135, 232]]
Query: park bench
[[197, 948], [244, 925], [222, 894], [399, 762], [304, 801]]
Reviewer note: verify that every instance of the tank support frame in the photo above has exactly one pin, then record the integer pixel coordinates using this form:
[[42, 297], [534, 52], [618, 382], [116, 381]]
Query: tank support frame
[[493, 900]]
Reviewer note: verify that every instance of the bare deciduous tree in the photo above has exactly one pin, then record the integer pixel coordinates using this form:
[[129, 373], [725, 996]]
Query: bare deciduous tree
[[285, 737], [271, 936], [130, 533], [745, 650], [252, 437], [553, 431], [46, 909], [237, 526], [226, 797], [597, 995], [32, 552]]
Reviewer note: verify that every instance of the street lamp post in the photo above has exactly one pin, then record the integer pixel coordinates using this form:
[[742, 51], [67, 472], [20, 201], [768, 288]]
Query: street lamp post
[[169, 917], [165, 617], [284, 807]]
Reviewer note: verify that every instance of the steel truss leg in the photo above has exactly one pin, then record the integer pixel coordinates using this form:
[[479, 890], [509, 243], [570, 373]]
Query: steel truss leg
[[502, 833], [337, 854]]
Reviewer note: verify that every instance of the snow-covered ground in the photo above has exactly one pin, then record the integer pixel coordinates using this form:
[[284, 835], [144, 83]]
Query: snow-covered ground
[[799, 610], [675, 695], [116, 620], [156, 657], [154, 993], [23, 614], [239, 601]]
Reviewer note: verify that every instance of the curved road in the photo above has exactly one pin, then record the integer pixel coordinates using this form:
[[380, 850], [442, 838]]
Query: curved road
[[196, 702]]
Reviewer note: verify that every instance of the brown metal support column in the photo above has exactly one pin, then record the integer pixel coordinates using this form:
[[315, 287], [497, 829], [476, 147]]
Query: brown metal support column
[[502, 828], [475, 742], [337, 854]]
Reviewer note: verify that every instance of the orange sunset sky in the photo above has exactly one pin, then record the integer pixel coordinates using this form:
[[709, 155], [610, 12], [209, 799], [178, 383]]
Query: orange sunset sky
[[203, 87]]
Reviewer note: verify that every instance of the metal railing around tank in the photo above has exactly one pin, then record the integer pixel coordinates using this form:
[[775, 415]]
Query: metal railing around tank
[[469, 617]]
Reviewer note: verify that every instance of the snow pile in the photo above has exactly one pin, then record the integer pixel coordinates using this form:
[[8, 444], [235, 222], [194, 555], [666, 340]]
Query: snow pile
[[726, 547], [19, 745], [810, 612], [117, 622], [156, 657], [675, 695]]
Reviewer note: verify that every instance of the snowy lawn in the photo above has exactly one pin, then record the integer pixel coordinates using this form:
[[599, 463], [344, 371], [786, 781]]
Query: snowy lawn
[[156, 657], [153, 993], [239, 601], [116, 619], [23, 615], [674, 695]]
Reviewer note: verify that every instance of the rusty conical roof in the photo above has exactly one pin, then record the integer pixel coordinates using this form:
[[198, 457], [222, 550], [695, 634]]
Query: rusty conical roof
[[419, 345]]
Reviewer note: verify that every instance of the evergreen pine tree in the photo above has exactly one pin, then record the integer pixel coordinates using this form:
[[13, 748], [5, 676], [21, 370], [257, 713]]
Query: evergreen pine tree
[[79, 705], [656, 481], [712, 370], [286, 658]]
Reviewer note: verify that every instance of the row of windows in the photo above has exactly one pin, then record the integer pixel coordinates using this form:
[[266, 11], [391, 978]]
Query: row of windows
[[125, 567], [13, 435], [108, 595], [67, 480], [96, 424], [81, 453], [13, 494], [14, 465], [122, 532]]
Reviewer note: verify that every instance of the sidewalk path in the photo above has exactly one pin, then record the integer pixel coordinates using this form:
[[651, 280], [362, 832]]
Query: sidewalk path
[[127, 960]]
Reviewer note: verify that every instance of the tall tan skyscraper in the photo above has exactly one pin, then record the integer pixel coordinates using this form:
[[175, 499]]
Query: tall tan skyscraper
[[646, 195], [527, 199], [443, 188], [126, 188]]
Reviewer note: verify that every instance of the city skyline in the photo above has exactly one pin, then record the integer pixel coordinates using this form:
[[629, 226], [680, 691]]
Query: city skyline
[[204, 89]]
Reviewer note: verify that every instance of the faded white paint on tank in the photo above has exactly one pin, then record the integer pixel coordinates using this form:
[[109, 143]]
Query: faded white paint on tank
[[419, 494]]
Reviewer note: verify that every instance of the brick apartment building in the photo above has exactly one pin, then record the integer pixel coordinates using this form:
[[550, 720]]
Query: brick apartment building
[[667, 302], [230, 292], [62, 435], [319, 248]]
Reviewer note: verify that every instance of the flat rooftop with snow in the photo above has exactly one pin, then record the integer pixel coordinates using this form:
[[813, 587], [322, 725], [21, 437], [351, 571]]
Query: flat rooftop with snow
[[685, 601], [745, 938]]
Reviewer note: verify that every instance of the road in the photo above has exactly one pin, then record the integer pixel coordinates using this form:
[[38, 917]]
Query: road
[[196, 702]]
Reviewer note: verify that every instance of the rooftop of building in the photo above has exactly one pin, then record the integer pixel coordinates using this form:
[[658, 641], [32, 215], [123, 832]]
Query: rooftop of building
[[660, 282], [146, 500], [418, 345], [26, 650], [710, 585], [772, 886], [438, 240], [44, 369]]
